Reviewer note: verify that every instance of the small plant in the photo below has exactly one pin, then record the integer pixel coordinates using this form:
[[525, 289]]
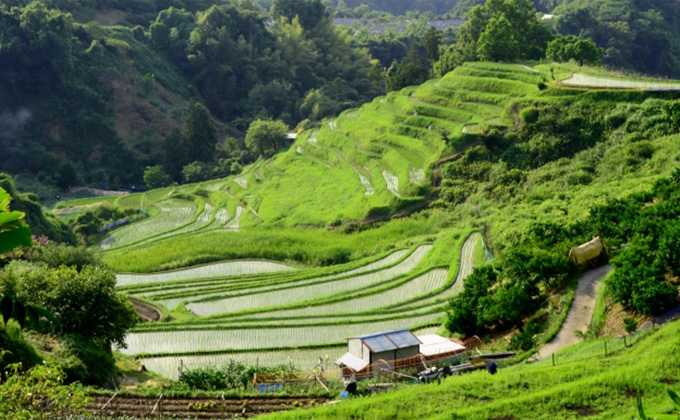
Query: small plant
[[631, 324]]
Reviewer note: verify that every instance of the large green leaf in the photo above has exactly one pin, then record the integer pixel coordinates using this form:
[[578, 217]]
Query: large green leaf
[[19, 313], [11, 216], [11, 239], [33, 317], [675, 399], [641, 410], [6, 307], [47, 314]]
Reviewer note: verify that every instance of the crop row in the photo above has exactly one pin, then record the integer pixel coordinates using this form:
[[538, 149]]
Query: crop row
[[220, 278], [279, 298], [188, 341], [286, 281], [174, 214], [228, 268]]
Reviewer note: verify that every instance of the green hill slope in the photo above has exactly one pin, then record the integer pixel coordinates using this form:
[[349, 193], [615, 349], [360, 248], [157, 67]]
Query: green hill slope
[[597, 388], [494, 143]]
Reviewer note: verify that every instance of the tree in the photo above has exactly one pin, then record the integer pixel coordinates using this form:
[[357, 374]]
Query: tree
[[13, 231], [200, 136], [309, 12], [175, 154], [412, 70], [498, 42], [570, 47], [266, 136], [84, 301], [504, 23], [195, 172], [431, 41], [155, 177]]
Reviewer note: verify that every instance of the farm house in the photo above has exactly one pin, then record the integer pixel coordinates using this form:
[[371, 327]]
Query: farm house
[[388, 345], [395, 350]]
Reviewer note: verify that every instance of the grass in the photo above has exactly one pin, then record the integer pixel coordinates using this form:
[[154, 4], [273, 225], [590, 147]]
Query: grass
[[604, 387], [308, 246], [300, 206]]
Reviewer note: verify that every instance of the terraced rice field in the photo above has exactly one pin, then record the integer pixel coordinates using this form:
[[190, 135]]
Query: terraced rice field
[[421, 285], [306, 293], [585, 80], [189, 341], [174, 214], [303, 359], [365, 160], [224, 269]]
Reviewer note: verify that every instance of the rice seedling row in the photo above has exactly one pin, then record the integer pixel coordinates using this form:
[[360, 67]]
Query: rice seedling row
[[174, 213], [187, 341], [305, 293], [259, 285], [364, 265], [229, 268], [585, 80], [234, 224], [418, 286]]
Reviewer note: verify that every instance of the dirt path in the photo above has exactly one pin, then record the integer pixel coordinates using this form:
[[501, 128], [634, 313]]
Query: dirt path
[[580, 314], [146, 311]]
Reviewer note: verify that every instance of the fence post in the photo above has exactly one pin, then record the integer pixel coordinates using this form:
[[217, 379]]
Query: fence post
[[605, 348], [553, 359], [625, 344]]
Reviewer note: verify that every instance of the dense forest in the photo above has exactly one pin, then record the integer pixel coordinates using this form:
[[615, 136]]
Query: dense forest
[[96, 91]]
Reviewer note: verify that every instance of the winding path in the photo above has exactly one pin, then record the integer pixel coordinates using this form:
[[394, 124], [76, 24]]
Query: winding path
[[581, 311]]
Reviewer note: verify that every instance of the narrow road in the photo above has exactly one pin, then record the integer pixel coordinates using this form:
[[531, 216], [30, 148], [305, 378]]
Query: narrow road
[[580, 314]]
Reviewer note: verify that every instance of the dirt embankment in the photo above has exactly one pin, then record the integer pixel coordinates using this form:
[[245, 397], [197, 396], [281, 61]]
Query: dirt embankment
[[145, 310]]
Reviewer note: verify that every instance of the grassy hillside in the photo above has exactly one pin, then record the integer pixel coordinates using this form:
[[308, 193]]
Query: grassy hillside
[[494, 143], [598, 388]]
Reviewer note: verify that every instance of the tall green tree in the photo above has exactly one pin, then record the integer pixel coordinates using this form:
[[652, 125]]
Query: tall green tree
[[175, 150], [266, 136], [155, 177], [309, 12], [200, 136], [498, 42], [571, 47], [432, 41], [84, 301], [482, 37]]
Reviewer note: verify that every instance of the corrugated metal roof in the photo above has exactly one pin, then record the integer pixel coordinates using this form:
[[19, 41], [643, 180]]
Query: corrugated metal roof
[[379, 343], [389, 340], [351, 361]]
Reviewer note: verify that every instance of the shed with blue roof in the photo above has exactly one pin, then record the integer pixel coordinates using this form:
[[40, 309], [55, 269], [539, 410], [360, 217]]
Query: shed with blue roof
[[387, 345]]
